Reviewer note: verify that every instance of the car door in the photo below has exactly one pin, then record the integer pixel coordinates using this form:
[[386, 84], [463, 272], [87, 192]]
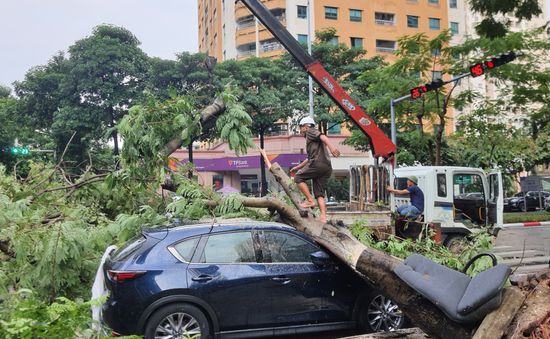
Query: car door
[[302, 293], [228, 276]]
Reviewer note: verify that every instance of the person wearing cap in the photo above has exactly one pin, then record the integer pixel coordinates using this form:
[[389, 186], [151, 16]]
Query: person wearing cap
[[317, 166], [416, 195]]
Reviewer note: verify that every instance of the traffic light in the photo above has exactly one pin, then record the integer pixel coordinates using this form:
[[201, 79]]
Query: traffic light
[[17, 150], [418, 91], [479, 68]]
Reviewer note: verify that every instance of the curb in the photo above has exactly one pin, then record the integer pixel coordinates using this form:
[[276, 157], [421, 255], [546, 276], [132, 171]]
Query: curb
[[527, 224]]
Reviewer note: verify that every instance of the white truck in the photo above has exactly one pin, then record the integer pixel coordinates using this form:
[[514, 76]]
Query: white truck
[[461, 199]]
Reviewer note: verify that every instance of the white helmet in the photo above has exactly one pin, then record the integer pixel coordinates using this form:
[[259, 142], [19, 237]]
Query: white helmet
[[307, 121]]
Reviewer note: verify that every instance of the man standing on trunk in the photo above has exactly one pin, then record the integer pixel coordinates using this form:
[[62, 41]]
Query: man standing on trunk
[[316, 167]]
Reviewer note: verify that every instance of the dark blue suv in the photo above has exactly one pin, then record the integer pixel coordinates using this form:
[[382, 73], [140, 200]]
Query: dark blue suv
[[236, 279]]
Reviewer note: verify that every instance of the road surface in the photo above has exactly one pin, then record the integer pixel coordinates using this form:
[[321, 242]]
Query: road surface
[[525, 249]]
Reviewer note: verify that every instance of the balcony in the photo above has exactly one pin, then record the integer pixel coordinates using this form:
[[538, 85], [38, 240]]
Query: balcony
[[385, 49], [245, 54], [242, 11], [250, 22], [270, 46], [384, 22]]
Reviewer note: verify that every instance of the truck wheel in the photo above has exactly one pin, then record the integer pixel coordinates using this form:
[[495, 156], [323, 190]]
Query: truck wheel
[[178, 320], [455, 243]]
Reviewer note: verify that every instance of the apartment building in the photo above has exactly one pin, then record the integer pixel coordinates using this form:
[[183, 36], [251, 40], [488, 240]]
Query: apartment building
[[227, 30]]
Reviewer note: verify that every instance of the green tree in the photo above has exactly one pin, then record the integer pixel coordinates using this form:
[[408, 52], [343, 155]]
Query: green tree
[[498, 15], [523, 85], [485, 139], [106, 76], [270, 90], [40, 94], [419, 59], [345, 65], [4, 91], [190, 74]]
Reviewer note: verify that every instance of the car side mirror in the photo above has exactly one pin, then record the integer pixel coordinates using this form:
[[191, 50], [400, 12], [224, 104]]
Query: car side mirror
[[320, 258]]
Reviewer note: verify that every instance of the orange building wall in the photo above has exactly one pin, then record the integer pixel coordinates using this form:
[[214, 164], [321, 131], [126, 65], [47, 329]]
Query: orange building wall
[[369, 30], [210, 20]]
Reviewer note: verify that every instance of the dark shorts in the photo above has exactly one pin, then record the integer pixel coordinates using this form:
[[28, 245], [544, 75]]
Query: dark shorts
[[319, 175]]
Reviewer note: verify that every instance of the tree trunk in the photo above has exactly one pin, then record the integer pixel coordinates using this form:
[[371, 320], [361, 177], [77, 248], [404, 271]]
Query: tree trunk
[[375, 267], [208, 116]]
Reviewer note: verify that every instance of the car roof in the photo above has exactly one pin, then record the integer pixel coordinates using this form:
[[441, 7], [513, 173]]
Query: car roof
[[224, 224]]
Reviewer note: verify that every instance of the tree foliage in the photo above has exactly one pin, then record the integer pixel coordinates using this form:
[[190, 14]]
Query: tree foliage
[[498, 15]]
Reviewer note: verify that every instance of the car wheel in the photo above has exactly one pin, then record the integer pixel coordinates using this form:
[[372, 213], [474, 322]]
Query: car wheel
[[178, 321], [522, 208], [380, 314]]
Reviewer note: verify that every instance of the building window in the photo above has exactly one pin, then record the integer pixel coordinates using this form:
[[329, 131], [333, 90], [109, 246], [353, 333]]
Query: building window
[[454, 28], [384, 18], [433, 2], [356, 42], [302, 12], [331, 13], [333, 41], [412, 21], [453, 3], [436, 75], [435, 23], [436, 52], [386, 46], [302, 38], [355, 15]]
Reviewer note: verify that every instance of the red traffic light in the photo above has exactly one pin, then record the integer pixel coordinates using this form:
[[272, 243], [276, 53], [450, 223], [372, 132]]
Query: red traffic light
[[417, 92], [476, 70], [479, 68], [489, 64]]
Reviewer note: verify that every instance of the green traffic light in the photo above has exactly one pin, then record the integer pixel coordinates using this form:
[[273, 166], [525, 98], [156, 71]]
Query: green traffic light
[[19, 150]]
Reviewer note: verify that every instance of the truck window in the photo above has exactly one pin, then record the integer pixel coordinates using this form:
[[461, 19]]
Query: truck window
[[400, 183], [468, 186], [442, 185]]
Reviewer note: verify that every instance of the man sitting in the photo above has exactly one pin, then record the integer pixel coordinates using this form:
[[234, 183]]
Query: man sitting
[[416, 195]]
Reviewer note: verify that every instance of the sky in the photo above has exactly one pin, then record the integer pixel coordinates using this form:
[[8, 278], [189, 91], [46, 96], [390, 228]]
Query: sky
[[32, 31]]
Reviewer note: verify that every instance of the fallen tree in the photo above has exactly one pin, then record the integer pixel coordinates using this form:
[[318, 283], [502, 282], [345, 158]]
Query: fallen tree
[[378, 268], [374, 266]]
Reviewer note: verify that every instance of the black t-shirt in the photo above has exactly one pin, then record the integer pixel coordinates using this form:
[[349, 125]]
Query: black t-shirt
[[316, 151]]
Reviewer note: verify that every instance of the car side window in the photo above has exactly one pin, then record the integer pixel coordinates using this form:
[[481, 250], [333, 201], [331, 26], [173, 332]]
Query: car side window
[[186, 248], [226, 248], [286, 247]]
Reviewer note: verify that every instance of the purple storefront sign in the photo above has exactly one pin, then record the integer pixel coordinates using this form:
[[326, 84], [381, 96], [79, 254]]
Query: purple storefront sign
[[237, 163]]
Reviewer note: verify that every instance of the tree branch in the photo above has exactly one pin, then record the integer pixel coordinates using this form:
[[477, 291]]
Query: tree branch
[[92, 179], [207, 116]]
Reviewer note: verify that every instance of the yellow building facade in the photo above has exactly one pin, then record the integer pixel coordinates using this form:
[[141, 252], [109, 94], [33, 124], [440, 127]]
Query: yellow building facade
[[227, 30]]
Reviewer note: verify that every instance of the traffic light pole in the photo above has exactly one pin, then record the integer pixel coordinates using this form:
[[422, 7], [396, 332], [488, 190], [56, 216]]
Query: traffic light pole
[[395, 101]]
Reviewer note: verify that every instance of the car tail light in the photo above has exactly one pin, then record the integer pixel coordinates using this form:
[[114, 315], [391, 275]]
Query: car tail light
[[122, 276]]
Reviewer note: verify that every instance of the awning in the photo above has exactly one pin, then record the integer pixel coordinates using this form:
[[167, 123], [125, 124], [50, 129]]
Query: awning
[[237, 163]]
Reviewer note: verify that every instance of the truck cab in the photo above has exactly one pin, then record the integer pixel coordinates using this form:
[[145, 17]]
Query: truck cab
[[459, 198]]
